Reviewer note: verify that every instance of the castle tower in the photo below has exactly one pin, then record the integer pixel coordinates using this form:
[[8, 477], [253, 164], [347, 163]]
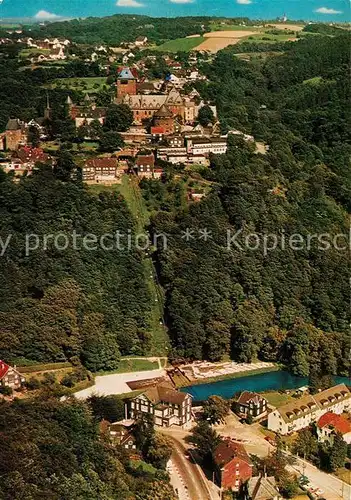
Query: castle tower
[[14, 134], [126, 83]]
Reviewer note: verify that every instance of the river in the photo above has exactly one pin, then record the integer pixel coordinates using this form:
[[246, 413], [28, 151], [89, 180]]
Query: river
[[257, 383]]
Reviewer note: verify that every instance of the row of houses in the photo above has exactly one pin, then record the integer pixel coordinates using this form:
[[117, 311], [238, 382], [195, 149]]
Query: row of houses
[[109, 170]]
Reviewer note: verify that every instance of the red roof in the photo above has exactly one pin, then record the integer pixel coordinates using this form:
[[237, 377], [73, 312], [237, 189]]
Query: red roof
[[145, 160], [157, 130], [338, 422], [102, 162], [28, 153], [246, 396], [227, 450], [4, 368]]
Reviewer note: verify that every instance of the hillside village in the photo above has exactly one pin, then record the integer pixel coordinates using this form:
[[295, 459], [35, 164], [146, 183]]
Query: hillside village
[[170, 122]]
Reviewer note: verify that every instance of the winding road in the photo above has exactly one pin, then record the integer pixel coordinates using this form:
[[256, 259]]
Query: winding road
[[189, 472]]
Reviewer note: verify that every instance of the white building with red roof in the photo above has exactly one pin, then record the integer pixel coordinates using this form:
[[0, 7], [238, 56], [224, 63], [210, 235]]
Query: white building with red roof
[[330, 423], [10, 376]]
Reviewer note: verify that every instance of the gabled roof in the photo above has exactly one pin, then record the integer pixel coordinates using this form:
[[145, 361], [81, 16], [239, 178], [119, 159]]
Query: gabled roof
[[308, 404], [102, 162], [157, 130], [330, 396], [262, 488], [163, 393], [4, 368], [27, 153], [13, 124], [227, 450], [246, 397], [126, 74], [163, 112], [145, 159], [334, 421]]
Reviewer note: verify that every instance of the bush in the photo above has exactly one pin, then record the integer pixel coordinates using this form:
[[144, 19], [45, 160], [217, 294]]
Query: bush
[[33, 384], [77, 375], [6, 390], [48, 379]]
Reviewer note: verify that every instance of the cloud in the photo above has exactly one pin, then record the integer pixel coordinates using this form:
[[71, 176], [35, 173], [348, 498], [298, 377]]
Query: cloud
[[244, 2], [182, 1], [325, 10], [129, 3], [44, 15]]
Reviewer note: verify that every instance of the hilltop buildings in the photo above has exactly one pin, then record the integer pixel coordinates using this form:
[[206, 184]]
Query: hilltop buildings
[[89, 112], [308, 409], [104, 170]]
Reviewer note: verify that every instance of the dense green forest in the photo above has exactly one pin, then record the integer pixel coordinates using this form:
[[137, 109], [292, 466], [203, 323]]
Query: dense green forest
[[53, 450], [117, 29], [286, 304], [59, 304]]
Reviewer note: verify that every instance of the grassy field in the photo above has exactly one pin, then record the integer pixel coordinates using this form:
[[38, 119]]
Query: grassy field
[[317, 80], [268, 37], [276, 399], [215, 26], [130, 190], [25, 53], [180, 44], [344, 474], [88, 84], [52, 146], [132, 365], [35, 368]]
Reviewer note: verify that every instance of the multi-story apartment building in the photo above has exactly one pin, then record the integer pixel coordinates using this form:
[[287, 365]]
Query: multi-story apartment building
[[204, 145], [104, 170], [308, 409]]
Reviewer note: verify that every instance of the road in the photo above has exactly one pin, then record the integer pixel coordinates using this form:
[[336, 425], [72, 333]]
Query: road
[[332, 487], [190, 473]]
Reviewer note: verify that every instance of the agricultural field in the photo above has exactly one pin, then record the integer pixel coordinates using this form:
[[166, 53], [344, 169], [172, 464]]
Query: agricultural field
[[87, 84], [180, 44], [33, 52], [218, 40]]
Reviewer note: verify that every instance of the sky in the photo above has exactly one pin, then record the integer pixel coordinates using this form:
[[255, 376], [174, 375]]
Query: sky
[[324, 10]]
